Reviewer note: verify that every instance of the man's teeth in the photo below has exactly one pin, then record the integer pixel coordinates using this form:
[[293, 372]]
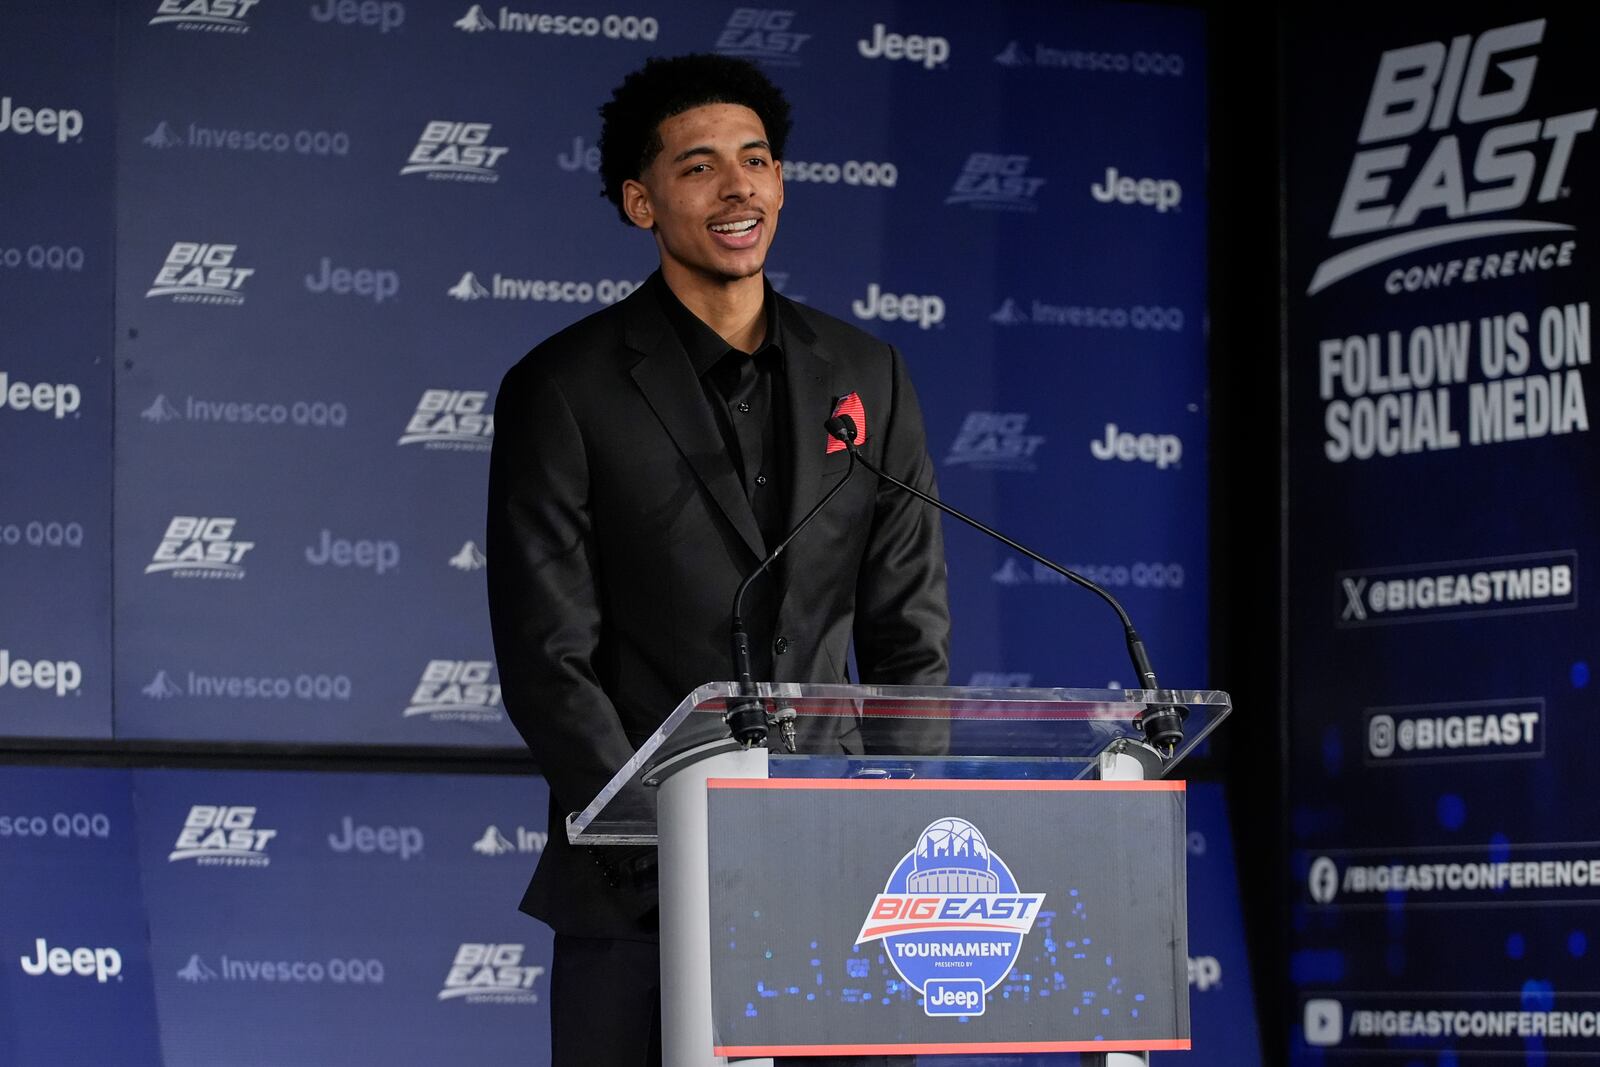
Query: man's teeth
[[735, 227]]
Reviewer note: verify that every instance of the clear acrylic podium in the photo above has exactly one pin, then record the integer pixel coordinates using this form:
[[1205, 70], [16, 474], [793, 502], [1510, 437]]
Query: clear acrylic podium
[[660, 796]]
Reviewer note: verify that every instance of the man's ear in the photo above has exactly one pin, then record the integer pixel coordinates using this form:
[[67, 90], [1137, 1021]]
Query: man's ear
[[636, 204]]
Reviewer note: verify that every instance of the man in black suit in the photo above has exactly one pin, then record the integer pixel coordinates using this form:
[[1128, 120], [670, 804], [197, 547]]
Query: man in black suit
[[645, 460]]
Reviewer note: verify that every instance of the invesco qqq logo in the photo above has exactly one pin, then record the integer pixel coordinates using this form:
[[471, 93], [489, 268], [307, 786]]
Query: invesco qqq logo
[[951, 918], [616, 27], [850, 172], [1434, 87]]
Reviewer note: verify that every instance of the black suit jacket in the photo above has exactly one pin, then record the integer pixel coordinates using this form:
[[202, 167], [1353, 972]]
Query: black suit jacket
[[618, 532]]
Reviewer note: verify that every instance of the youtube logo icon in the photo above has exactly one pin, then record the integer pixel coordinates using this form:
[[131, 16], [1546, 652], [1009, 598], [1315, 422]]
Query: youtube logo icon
[[1324, 1023]]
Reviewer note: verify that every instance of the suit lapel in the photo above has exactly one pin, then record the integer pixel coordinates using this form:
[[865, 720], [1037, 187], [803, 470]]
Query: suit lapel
[[809, 378], [667, 379]]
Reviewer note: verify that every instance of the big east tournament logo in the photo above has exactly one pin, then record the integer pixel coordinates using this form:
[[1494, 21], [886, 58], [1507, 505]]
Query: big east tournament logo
[[1437, 88], [951, 918]]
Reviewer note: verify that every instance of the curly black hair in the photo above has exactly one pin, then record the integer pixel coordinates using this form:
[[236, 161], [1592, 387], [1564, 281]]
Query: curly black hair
[[630, 122]]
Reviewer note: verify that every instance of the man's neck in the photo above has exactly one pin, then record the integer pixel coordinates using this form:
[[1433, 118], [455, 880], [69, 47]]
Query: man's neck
[[736, 309]]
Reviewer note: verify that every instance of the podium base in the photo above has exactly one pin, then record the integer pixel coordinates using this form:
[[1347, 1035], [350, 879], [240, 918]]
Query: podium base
[[686, 1036]]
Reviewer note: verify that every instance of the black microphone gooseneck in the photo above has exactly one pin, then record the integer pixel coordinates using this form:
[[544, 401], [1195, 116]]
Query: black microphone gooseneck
[[1162, 724], [746, 717]]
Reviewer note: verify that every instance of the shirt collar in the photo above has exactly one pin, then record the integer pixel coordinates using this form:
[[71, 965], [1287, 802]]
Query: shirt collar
[[704, 345]]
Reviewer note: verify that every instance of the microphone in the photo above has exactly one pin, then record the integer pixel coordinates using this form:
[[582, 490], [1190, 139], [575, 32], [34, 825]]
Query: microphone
[[746, 717], [1162, 725]]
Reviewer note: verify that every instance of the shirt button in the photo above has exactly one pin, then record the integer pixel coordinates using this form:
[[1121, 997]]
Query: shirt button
[[761, 479], [781, 645], [744, 407]]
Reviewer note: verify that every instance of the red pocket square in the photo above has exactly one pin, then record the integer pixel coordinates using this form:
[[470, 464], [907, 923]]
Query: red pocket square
[[849, 405]]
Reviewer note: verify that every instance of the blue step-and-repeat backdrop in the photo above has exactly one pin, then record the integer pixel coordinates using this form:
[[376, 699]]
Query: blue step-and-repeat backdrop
[[1443, 474], [268, 917], [280, 255], [262, 265]]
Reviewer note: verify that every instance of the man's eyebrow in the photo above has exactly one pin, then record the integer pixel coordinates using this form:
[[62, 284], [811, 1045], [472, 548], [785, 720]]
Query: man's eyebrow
[[706, 150], [697, 150]]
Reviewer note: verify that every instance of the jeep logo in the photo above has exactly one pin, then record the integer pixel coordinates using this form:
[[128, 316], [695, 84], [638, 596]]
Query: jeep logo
[[925, 311], [1164, 450]]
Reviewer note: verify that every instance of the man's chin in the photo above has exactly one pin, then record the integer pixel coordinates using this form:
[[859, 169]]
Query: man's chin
[[718, 270], [729, 273], [741, 275]]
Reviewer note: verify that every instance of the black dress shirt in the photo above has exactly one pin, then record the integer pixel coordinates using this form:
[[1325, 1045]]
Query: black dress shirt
[[746, 394]]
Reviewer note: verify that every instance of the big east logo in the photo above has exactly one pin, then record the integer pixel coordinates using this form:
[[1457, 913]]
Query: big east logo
[[765, 34], [490, 974], [218, 836], [995, 181], [454, 690], [222, 16], [456, 151], [198, 547], [196, 273], [951, 918], [1457, 88], [451, 419]]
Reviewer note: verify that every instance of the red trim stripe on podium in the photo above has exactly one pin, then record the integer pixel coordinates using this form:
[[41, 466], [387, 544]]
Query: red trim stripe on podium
[[951, 784], [957, 1048]]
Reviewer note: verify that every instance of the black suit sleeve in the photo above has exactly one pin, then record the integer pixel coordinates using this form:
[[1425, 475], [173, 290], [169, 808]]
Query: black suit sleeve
[[543, 602], [902, 623]]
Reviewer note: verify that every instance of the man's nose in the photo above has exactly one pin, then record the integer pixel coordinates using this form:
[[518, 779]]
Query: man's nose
[[738, 186]]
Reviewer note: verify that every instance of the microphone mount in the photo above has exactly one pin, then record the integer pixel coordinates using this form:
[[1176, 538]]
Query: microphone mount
[[1162, 724]]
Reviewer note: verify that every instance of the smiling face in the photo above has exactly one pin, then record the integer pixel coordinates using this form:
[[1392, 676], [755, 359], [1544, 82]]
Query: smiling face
[[712, 196]]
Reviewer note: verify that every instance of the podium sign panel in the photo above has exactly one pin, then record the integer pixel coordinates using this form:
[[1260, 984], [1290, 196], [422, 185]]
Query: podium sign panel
[[855, 917]]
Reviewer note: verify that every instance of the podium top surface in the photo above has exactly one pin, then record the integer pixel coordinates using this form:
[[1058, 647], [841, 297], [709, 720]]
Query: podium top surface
[[901, 732]]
